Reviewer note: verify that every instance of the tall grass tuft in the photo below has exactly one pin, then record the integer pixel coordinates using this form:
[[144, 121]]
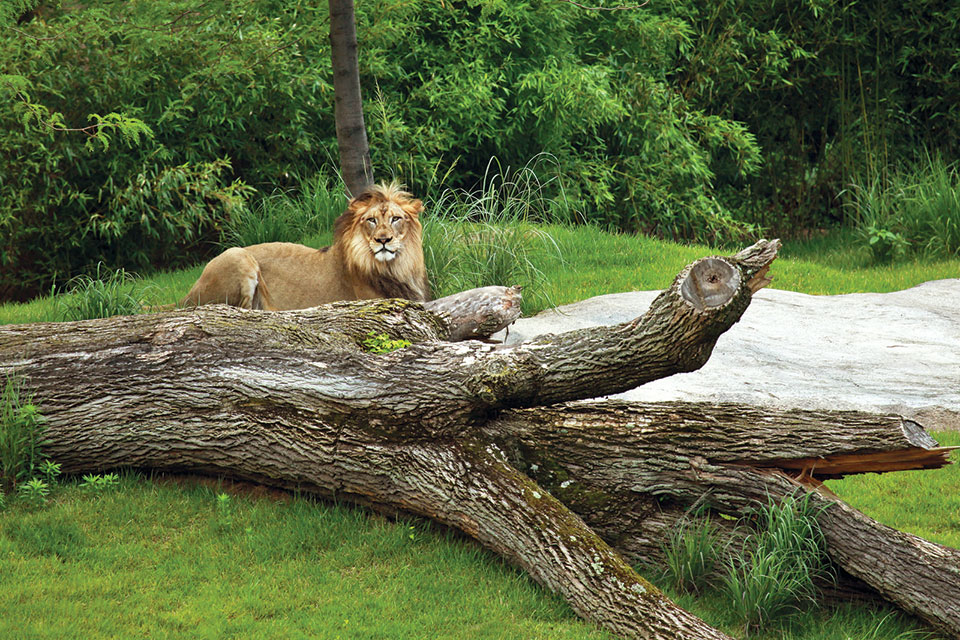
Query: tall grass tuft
[[109, 293], [913, 210], [21, 434], [287, 217], [692, 553], [489, 236], [780, 564]]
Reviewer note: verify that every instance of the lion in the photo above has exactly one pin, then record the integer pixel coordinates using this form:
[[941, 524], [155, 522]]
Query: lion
[[377, 252]]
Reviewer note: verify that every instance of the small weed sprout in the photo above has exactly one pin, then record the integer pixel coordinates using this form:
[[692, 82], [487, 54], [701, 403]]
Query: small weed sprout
[[50, 470], [224, 511], [381, 343], [96, 483], [34, 492]]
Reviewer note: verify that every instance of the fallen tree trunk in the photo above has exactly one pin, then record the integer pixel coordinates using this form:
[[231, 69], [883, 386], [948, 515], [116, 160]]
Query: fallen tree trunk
[[614, 463], [292, 400]]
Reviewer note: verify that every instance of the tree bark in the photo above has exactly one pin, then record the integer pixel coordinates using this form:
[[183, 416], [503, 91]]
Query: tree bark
[[631, 469], [445, 429], [355, 165]]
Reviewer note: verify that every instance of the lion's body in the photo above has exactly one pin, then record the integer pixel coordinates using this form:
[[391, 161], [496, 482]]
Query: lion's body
[[376, 253]]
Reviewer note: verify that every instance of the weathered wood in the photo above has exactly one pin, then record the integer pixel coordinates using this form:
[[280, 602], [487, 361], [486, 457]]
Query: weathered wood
[[289, 398], [477, 313], [441, 429], [614, 463]]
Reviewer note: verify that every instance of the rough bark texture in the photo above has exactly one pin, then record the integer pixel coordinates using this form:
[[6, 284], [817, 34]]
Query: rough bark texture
[[446, 429], [355, 165], [615, 463]]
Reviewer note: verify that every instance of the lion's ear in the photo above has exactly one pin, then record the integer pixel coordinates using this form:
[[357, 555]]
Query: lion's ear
[[413, 207], [360, 200]]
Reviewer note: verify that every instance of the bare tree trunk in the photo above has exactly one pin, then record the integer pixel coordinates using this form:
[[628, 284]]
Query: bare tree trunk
[[445, 429], [355, 162]]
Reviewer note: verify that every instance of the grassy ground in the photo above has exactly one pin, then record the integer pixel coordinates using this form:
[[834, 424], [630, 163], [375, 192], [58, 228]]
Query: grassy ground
[[150, 559], [163, 560], [589, 262], [924, 503]]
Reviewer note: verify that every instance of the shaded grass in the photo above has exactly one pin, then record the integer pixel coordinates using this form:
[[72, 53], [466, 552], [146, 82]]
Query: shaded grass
[[155, 560]]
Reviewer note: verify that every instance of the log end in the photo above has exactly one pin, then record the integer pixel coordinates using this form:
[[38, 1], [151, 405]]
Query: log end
[[710, 284]]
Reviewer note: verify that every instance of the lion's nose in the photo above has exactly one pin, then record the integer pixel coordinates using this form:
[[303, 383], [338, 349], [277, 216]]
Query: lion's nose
[[384, 241]]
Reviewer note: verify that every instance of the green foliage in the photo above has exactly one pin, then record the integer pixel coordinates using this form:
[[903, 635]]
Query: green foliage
[[380, 343], [288, 216], [226, 92], [97, 483], [911, 210], [691, 553], [469, 81], [779, 565], [107, 294], [832, 89], [21, 434], [134, 133], [34, 492], [50, 470]]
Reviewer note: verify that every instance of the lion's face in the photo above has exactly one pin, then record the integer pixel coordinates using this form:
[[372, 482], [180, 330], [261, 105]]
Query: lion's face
[[382, 225]]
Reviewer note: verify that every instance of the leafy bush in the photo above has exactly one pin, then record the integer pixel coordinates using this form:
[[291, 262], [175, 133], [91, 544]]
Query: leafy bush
[[226, 92], [832, 90], [146, 145]]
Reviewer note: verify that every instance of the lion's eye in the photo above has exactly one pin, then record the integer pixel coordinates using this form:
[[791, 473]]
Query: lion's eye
[[395, 219], [372, 222]]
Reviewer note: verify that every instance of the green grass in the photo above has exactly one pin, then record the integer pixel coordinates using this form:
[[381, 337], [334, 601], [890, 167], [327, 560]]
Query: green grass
[[925, 503], [162, 560], [580, 262], [844, 622]]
